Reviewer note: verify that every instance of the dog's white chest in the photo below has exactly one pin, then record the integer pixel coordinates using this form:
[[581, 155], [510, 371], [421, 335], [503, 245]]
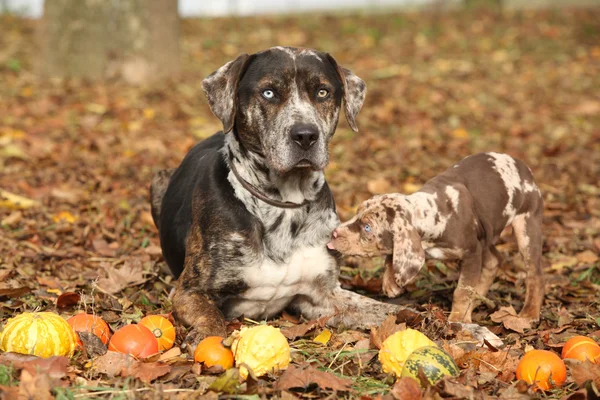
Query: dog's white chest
[[273, 285]]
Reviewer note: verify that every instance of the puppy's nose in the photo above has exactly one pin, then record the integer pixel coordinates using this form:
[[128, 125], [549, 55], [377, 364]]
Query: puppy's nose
[[334, 234], [304, 135]]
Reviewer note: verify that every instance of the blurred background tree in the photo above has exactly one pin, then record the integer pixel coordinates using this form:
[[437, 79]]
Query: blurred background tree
[[136, 40]]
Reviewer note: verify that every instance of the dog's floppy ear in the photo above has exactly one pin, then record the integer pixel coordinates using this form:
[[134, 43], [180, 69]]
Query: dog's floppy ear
[[220, 89], [355, 90], [408, 255]]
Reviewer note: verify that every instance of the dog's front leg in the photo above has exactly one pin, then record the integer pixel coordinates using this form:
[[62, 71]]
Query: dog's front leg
[[349, 309], [198, 312], [352, 310]]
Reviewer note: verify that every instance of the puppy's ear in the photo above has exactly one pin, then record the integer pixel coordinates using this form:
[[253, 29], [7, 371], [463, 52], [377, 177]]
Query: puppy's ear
[[220, 89], [408, 255], [355, 90]]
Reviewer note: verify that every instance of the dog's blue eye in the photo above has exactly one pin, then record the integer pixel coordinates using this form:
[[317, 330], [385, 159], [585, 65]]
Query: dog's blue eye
[[268, 94], [368, 228]]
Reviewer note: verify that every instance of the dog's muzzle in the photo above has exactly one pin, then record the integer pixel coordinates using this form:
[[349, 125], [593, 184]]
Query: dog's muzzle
[[304, 138]]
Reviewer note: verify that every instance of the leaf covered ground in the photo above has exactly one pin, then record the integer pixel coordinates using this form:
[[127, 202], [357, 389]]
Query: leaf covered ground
[[441, 86]]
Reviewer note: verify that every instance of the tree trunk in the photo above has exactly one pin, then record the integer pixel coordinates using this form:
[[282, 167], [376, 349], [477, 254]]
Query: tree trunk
[[137, 40]]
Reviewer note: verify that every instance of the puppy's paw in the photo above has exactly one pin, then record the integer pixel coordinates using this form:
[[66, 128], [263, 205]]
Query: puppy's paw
[[389, 284], [531, 317], [480, 333]]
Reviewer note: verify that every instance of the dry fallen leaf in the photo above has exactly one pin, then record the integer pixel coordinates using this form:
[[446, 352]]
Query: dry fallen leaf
[[12, 219], [102, 247], [130, 274], [301, 377], [406, 389], [53, 367], [67, 299], [146, 372], [364, 355], [584, 371], [15, 202], [297, 331], [34, 386], [113, 364], [564, 317], [587, 257], [323, 337], [509, 318], [92, 344], [457, 390], [64, 217], [13, 293], [387, 328]]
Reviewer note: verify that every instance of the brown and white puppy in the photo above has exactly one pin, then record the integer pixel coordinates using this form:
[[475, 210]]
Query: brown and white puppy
[[459, 215]]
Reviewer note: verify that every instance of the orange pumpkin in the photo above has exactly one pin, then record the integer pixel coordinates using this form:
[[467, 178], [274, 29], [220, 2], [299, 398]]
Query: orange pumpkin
[[162, 328], [90, 323], [542, 367], [136, 340], [211, 352], [581, 348]]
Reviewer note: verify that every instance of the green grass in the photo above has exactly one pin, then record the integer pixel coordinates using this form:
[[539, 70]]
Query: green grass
[[6, 376]]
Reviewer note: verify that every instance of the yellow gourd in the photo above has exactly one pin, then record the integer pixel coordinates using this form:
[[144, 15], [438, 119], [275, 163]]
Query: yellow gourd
[[43, 334], [397, 347], [262, 348]]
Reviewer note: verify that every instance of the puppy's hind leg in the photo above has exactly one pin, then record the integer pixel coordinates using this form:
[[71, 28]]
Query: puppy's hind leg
[[528, 231], [489, 270], [158, 187]]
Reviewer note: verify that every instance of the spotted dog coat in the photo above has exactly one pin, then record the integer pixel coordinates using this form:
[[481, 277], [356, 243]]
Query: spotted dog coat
[[459, 214], [235, 254]]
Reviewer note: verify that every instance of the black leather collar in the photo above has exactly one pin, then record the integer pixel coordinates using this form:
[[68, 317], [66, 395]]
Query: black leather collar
[[258, 194]]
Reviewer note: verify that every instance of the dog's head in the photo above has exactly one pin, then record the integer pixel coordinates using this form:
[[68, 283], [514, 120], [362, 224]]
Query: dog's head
[[284, 103], [381, 227]]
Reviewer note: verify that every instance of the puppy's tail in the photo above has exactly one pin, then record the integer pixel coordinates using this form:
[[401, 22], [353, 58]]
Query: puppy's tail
[[158, 188]]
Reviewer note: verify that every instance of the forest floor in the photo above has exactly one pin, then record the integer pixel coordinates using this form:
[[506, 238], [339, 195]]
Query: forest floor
[[440, 87]]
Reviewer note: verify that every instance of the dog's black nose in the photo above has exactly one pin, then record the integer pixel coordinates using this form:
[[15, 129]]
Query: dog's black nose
[[304, 135]]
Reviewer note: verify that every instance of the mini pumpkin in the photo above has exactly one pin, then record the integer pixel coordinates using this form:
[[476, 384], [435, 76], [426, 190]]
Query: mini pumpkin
[[162, 329], [543, 368], [43, 334], [263, 348], [397, 347], [433, 361], [582, 348], [211, 352], [90, 323], [134, 339]]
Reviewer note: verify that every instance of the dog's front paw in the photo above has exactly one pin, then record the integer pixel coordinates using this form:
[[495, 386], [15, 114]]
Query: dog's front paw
[[389, 284], [480, 333], [196, 335], [533, 317]]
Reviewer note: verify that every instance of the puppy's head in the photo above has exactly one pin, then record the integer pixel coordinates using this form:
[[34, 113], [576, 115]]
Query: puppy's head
[[381, 227], [284, 103]]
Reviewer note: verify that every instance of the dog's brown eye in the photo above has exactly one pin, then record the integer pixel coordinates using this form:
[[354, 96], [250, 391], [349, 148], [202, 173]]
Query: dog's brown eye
[[322, 93]]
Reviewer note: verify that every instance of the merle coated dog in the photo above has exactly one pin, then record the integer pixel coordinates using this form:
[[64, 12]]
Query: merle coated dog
[[457, 215], [245, 219]]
